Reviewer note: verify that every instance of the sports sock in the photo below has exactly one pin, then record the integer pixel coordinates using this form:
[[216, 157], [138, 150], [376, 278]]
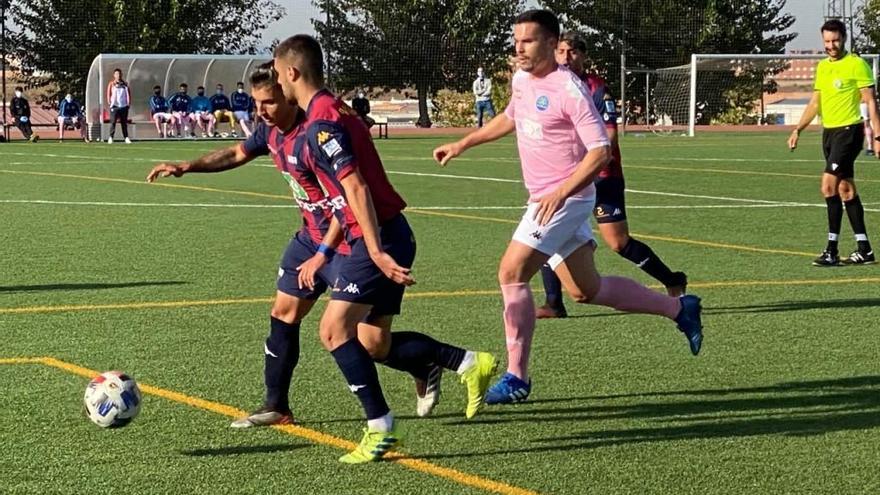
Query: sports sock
[[869, 137], [360, 372], [856, 213], [416, 353], [835, 216], [624, 294], [519, 327], [281, 356], [552, 288], [645, 258]]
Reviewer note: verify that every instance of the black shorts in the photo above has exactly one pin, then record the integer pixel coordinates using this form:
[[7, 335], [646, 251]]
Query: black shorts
[[359, 280], [610, 202], [300, 250], [842, 145]]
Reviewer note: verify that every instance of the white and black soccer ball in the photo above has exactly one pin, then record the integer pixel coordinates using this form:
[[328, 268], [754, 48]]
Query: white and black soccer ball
[[112, 399]]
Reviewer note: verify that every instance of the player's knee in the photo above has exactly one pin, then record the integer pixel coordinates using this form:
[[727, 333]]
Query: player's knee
[[509, 274], [283, 311], [376, 345], [617, 242]]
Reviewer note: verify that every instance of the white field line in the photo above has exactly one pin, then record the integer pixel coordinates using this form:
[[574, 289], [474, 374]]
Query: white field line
[[426, 208]]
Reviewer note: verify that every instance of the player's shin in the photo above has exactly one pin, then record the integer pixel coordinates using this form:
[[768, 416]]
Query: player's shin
[[281, 357], [519, 327]]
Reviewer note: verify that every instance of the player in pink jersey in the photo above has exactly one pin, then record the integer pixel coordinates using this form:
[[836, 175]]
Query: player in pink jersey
[[610, 209], [563, 145]]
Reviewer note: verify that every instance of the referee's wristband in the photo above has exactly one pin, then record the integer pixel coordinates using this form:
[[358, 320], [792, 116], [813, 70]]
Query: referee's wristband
[[326, 250]]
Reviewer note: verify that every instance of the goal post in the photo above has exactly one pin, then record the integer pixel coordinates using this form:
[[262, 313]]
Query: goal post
[[796, 70]]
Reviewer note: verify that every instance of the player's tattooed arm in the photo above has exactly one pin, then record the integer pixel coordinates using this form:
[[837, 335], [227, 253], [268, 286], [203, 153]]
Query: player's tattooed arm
[[217, 161]]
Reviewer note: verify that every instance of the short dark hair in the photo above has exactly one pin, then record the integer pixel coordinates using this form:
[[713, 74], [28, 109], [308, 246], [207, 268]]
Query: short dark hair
[[544, 18], [239, 83], [117, 70], [306, 54], [834, 26], [574, 40], [19, 88], [157, 87], [200, 87], [264, 76], [183, 85], [219, 85]]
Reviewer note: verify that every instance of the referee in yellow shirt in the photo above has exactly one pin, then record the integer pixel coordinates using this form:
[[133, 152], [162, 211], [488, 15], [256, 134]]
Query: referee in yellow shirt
[[843, 81]]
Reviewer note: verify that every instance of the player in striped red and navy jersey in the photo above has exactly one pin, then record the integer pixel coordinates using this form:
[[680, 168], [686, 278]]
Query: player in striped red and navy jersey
[[336, 147], [610, 209]]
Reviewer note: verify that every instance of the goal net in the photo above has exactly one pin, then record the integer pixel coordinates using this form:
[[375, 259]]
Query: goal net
[[732, 90]]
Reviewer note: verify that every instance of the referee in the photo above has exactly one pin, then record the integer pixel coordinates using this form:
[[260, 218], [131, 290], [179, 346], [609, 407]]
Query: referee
[[843, 81]]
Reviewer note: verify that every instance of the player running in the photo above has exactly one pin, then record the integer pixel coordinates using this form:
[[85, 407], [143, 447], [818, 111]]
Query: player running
[[562, 146], [610, 209]]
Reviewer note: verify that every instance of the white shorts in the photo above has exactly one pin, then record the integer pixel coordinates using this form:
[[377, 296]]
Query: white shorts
[[568, 229], [863, 107], [163, 117], [242, 116], [74, 121]]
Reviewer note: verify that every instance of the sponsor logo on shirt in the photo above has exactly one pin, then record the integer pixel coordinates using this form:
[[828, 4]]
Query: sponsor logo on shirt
[[331, 148], [531, 129], [542, 103]]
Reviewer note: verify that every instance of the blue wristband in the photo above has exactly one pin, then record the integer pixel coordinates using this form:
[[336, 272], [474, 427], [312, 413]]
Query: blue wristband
[[326, 250]]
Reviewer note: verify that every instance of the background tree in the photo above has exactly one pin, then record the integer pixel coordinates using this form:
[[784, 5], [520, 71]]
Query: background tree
[[56, 40], [426, 45], [656, 34]]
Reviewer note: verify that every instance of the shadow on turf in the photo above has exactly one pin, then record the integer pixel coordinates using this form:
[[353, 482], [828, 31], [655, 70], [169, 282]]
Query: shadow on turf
[[772, 307], [92, 286], [244, 449], [788, 409]]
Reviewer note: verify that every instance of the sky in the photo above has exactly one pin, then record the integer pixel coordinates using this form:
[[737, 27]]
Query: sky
[[808, 14]]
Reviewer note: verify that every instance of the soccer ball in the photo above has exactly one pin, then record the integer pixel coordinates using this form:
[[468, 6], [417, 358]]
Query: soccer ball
[[112, 399]]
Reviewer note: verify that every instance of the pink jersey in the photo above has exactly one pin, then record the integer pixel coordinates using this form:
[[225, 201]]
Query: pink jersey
[[556, 124]]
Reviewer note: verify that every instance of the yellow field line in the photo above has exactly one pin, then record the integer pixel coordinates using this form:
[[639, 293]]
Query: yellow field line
[[299, 431], [155, 184], [439, 214], [678, 240], [412, 295]]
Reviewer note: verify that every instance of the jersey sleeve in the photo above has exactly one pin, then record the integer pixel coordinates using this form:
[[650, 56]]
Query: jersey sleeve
[[258, 143], [820, 76], [579, 107], [332, 147], [863, 76], [606, 106], [514, 89]]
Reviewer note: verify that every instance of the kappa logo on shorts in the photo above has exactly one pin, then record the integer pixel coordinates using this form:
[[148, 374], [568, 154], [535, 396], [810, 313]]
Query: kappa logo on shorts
[[834, 166], [537, 235], [352, 289]]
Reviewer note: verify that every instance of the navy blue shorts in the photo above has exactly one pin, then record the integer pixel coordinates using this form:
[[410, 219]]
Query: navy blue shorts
[[300, 250], [610, 203], [359, 280]]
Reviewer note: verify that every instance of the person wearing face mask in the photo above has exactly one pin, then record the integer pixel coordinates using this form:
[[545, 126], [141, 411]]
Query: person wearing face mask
[[70, 113], [361, 105], [160, 112], [223, 110], [21, 114], [242, 107], [119, 99], [181, 107], [201, 112], [483, 93]]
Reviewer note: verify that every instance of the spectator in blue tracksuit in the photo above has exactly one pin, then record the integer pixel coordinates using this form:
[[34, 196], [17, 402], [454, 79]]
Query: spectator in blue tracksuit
[[243, 107], [160, 112], [70, 113], [181, 106], [201, 112]]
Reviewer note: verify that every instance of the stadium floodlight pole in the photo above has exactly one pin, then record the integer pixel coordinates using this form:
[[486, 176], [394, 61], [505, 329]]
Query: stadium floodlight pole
[[4, 4]]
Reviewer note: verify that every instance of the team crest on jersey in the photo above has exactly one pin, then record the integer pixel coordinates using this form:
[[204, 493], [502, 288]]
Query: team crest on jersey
[[292, 160], [838, 83], [331, 148], [323, 136], [542, 103]]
